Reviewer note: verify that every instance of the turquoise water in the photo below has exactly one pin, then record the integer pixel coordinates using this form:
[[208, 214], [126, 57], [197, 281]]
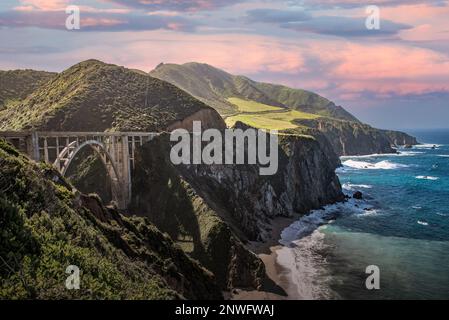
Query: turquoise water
[[401, 226]]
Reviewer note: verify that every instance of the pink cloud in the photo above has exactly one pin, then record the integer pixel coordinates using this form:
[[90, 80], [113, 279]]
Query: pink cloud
[[103, 22], [383, 69], [61, 5], [342, 69], [45, 5], [335, 68], [241, 54], [431, 22]]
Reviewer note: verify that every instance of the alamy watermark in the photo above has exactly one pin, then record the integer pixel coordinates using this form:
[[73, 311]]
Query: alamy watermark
[[373, 280], [73, 21], [229, 146], [73, 280], [372, 22]]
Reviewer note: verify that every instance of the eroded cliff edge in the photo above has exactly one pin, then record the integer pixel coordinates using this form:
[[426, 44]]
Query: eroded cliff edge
[[353, 138]]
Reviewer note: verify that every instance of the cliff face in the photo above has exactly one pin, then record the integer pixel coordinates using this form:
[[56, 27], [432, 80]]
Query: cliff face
[[167, 197], [207, 208], [351, 138], [305, 180], [400, 138]]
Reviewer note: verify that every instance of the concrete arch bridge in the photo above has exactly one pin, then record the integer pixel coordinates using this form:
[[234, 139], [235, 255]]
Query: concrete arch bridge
[[115, 149]]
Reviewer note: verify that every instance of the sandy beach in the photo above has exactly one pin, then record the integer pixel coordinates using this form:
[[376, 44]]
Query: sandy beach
[[276, 286]]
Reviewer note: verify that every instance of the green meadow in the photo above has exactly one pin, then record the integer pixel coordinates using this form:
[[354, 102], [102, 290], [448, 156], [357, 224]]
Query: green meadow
[[263, 116]]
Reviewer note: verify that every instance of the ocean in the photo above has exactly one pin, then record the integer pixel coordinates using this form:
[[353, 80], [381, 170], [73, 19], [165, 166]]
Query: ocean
[[401, 226]]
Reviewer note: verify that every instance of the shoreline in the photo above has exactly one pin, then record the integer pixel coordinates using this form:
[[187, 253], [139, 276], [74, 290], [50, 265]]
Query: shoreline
[[276, 286]]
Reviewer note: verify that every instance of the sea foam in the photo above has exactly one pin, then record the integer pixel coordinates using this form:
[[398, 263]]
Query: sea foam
[[384, 165], [427, 178]]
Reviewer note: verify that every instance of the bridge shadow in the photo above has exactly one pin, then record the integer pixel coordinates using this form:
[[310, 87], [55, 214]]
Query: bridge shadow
[[160, 194]]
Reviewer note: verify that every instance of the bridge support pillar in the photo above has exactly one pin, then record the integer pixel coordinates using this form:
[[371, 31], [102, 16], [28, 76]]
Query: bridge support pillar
[[125, 174], [32, 144]]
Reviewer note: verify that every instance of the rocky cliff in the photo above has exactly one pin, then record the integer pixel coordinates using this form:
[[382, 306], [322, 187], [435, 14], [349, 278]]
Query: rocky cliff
[[211, 207], [209, 211], [351, 138], [398, 138], [163, 194]]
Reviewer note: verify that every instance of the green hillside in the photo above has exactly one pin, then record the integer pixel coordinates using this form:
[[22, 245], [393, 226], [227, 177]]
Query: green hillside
[[46, 225], [16, 85], [214, 87], [95, 96], [263, 116]]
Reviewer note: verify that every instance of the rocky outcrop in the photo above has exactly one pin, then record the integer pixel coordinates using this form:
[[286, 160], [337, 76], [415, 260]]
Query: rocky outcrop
[[350, 138], [209, 119], [398, 138]]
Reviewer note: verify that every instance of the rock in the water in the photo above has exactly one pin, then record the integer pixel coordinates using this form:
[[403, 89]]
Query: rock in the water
[[408, 146], [358, 195]]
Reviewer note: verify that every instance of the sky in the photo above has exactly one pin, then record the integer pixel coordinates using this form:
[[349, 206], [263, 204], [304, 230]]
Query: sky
[[394, 77]]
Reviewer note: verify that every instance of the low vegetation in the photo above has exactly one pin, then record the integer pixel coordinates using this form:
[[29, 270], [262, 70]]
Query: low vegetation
[[263, 116], [16, 85], [244, 105], [46, 225], [95, 96]]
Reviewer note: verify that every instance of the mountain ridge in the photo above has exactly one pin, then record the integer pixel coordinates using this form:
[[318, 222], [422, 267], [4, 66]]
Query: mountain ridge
[[219, 89], [229, 85]]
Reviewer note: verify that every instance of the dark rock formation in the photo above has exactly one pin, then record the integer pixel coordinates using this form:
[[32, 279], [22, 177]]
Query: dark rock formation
[[167, 197], [358, 195], [398, 138], [351, 138]]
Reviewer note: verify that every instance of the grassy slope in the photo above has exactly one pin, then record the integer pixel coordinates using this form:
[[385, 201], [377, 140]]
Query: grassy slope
[[214, 86], [305, 101], [47, 226], [263, 116], [244, 105], [16, 85], [94, 96]]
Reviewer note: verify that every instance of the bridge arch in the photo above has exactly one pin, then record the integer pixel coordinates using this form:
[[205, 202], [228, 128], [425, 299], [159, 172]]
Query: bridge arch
[[95, 145], [68, 154]]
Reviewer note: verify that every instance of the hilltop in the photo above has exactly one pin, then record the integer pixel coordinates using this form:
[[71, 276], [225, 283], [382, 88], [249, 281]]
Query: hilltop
[[95, 96]]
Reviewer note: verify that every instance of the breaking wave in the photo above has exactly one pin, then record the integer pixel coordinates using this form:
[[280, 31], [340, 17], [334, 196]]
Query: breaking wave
[[384, 165], [427, 178]]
